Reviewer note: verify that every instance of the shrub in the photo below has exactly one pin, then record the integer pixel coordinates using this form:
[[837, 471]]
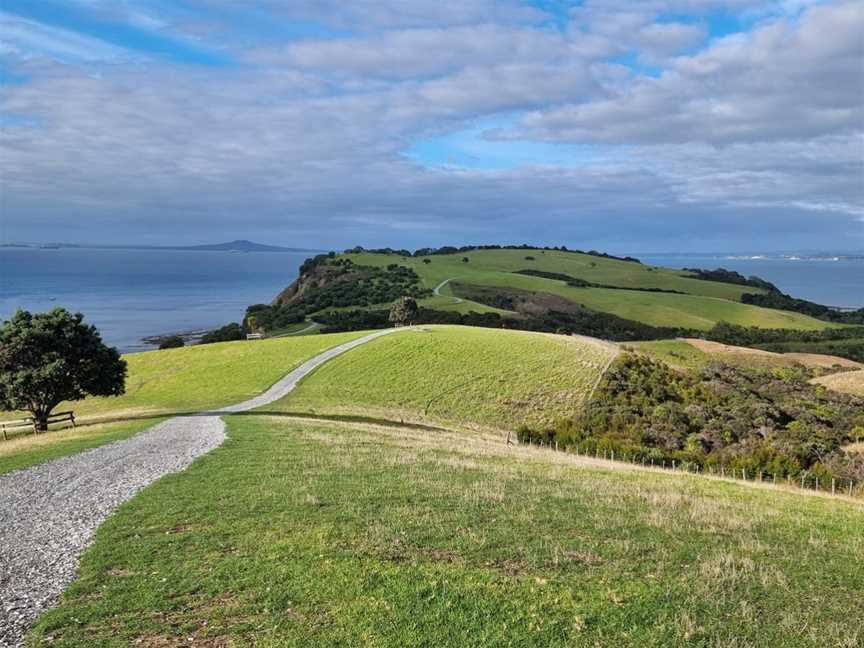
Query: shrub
[[172, 342], [227, 333]]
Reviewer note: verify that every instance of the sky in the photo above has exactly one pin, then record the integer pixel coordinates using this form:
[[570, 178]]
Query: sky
[[657, 125]]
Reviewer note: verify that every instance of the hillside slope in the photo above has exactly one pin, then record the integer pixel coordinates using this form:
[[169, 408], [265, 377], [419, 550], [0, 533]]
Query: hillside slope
[[492, 280], [850, 382], [458, 375]]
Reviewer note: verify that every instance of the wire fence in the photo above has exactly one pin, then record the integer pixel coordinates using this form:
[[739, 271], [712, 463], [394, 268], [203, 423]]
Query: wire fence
[[806, 480]]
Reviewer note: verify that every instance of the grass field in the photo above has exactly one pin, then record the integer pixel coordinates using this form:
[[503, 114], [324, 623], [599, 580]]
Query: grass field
[[199, 377], [675, 353], [29, 450], [705, 303], [850, 382], [167, 382], [310, 534], [457, 375]]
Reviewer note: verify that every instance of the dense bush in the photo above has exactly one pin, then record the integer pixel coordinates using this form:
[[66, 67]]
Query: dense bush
[[730, 276], [172, 342], [782, 301], [576, 282], [772, 420], [752, 336], [227, 333]]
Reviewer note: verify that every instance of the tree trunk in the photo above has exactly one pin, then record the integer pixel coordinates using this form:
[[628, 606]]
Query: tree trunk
[[40, 421]]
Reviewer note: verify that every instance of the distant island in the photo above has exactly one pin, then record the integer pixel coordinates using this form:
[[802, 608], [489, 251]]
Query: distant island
[[241, 245]]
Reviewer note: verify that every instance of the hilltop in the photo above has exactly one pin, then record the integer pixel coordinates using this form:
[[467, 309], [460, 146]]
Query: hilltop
[[556, 290]]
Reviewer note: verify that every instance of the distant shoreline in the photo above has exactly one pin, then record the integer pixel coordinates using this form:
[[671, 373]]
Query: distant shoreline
[[180, 248]]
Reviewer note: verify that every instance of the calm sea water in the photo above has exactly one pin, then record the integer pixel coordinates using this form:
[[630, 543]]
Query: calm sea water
[[130, 294], [826, 281]]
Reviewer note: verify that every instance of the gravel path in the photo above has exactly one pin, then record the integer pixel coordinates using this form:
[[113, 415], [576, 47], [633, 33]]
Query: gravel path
[[49, 513], [437, 290]]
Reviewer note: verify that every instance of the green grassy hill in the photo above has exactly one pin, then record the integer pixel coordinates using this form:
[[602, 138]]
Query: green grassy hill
[[702, 304], [459, 376], [355, 532], [316, 534], [196, 378]]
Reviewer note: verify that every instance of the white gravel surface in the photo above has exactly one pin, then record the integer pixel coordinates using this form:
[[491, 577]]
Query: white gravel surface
[[49, 513]]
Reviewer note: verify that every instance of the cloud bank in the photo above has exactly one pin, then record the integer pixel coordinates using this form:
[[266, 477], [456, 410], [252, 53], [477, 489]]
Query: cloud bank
[[719, 125]]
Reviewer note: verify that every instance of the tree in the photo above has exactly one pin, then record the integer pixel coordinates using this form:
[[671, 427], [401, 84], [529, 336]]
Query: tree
[[172, 342], [404, 312], [48, 358], [227, 333]]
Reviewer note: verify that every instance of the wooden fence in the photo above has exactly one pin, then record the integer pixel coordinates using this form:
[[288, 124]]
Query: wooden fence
[[19, 425]]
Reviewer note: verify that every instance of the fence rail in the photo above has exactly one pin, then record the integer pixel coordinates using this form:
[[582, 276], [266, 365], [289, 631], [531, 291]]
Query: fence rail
[[18, 425]]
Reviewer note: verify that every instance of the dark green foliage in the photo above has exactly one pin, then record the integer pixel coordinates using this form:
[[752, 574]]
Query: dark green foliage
[[753, 336], [730, 276], [772, 421], [851, 349], [576, 282], [339, 283], [272, 317], [354, 320], [227, 333], [172, 342], [465, 259], [530, 258], [782, 301], [48, 358], [404, 312]]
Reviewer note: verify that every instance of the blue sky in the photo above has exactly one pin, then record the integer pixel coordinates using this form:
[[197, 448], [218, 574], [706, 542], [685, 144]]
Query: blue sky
[[720, 124]]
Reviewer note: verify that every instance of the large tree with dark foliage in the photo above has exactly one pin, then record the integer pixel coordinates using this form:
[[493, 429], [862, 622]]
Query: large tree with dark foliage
[[48, 358]]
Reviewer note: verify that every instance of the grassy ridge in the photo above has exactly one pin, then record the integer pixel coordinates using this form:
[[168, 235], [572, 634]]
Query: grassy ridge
[[457, 374], [705, 303], [297, 534]]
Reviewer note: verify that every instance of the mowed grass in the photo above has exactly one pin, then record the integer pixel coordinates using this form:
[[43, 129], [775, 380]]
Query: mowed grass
[[200, 377], [315, 534], [457, 375], [850, 382], [705, 304], [28, 450]]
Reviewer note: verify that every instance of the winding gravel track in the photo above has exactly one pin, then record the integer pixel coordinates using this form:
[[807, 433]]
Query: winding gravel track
[[49, 513]]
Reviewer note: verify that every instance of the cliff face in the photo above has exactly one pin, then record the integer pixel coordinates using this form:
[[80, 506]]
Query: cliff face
[[320, 276]]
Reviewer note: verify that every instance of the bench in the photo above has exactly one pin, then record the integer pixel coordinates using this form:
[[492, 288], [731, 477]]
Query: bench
[[254, 336], [17, 425]]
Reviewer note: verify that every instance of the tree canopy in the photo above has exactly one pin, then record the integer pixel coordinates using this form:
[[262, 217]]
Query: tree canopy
[[48, 358]]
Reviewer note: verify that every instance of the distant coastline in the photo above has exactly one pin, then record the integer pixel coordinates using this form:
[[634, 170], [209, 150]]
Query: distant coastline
[[231, 246]]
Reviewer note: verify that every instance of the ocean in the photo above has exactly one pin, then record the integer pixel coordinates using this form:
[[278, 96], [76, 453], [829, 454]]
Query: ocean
[[132, 294], [825, 279]]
